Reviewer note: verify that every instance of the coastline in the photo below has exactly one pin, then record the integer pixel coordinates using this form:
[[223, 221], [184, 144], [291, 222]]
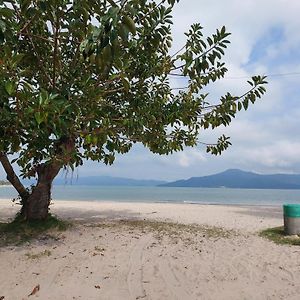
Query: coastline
[[169, 195], [118, 250], [249, 218]]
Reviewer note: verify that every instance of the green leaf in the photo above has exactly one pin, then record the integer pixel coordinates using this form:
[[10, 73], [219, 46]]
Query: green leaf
[[10, 88], [210, 41], [6, 12], [43, 5], [107, 54], [129, 23], [240, 106], [123, 32], [2, 37], [43, 97], [246, 104], [38, 117], [126, 84]]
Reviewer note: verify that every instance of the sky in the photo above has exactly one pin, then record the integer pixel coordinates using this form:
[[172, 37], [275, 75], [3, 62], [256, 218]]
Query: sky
[[265, 139]]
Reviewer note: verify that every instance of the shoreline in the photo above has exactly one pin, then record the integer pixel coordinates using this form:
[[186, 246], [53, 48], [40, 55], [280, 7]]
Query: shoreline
[[171, 202], [183, 203], [248, 218], [202, 196]]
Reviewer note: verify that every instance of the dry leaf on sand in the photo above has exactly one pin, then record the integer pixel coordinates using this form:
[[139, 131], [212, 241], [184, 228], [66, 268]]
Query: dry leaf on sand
[[35, 290]]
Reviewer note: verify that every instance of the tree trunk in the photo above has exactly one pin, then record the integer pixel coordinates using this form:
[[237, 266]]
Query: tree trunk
[[37, 205]]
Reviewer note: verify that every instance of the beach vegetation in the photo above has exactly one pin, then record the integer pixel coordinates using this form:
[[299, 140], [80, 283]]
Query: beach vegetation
[[172, 230], [86, 80], [38, 255], [278, 236], [20, 231]]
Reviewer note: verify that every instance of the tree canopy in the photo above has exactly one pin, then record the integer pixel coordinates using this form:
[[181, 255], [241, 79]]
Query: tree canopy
[[87, 79]]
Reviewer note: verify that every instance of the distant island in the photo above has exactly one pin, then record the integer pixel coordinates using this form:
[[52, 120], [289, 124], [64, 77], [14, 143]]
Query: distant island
[[107, 181], [235, 178], [232, 178], [4, 182]]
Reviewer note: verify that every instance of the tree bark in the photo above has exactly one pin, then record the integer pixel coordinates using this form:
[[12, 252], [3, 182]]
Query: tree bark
[[37, 204]]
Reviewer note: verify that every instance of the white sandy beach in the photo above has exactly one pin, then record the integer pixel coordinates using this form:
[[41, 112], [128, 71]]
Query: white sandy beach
[[105, 257]]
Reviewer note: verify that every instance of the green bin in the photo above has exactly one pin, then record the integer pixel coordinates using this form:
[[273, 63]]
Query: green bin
[[291, 215]]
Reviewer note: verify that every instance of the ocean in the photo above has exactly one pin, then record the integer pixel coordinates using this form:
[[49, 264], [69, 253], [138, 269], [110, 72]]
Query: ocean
[[168, 194]]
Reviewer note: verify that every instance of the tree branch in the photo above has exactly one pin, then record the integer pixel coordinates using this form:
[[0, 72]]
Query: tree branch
[[212, 71], [26, 24], [36, 36], [56, 29], [12, 177], [120, 89], [199, 56], [25, 28], [148, 14], [210, 108], [178, 51], [74, 59]]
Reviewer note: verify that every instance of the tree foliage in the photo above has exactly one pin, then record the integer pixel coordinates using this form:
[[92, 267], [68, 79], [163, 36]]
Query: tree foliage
[[87, 79]]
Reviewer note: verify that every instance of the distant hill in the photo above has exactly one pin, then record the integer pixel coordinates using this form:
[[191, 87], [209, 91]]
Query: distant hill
[[4, 182], [107, 181], [235, 178]]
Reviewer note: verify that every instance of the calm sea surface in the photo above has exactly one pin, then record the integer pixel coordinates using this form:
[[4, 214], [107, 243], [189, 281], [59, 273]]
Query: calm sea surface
[[167, 194]]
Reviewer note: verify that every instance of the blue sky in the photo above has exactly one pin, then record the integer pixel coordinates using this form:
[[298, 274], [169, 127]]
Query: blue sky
[[265, 40], [270, 39]]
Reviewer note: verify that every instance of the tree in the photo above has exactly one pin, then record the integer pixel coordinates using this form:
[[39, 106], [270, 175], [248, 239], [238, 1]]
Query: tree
[[88, 79]]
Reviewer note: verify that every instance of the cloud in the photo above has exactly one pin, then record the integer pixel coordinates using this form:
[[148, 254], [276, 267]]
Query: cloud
[[278, 155], [190, 157]]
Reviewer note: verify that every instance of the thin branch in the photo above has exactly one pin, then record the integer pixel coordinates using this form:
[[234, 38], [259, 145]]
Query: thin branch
[[74, 60], [168, 136], [26, 25], [123, 4], [155, 7], [100, 81], [201, 74], [56, 34], [120, 89], [211, 107], [36, 36], [40, 62], [179, 88], [178, 51], [113, 3], [201, 55]]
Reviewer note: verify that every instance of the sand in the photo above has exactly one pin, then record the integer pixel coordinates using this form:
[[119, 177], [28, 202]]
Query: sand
[[116, 251]]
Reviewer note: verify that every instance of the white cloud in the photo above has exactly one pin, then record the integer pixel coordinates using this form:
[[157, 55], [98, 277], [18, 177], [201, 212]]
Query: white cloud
[[190, 157], [276, 155]]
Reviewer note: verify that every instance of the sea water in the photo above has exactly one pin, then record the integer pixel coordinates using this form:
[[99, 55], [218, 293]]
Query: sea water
[[168, 194]]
